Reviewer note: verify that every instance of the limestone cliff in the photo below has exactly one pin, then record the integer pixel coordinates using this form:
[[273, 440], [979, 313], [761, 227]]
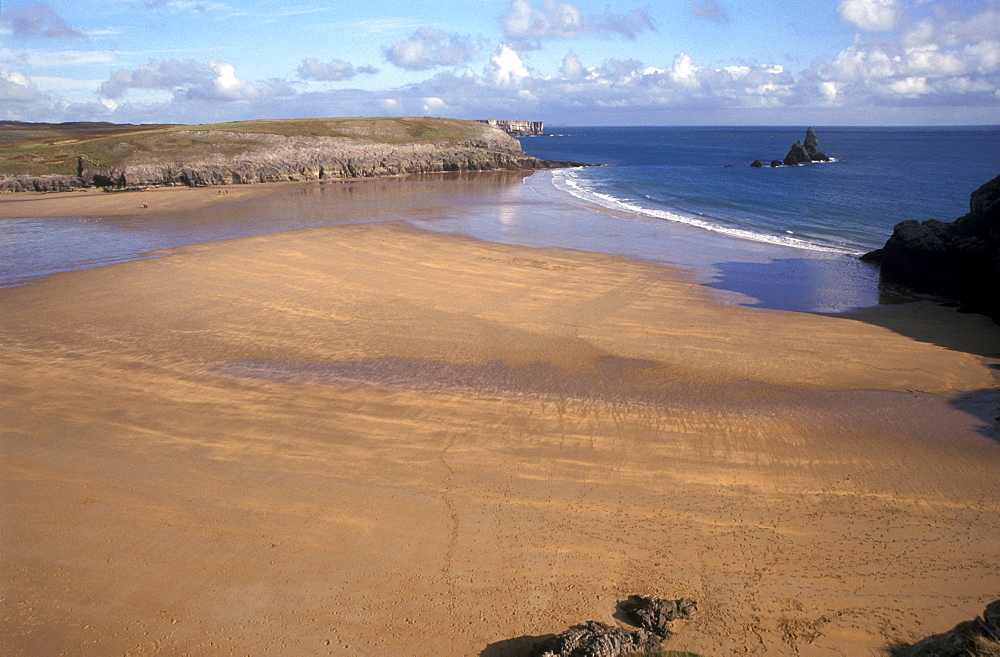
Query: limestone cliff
[[517, 128], [278, 151]]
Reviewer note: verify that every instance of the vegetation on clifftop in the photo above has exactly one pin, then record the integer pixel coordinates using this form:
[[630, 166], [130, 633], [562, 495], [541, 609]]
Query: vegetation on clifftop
[[37, 149]]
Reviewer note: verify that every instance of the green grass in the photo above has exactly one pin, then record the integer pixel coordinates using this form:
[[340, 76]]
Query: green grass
[[39, 149]]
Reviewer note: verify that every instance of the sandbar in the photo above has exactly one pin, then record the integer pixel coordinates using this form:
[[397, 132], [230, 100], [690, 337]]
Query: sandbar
[[377, 440]]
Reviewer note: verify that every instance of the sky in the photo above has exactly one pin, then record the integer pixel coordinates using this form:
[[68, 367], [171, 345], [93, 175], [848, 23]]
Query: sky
[[581, 62]]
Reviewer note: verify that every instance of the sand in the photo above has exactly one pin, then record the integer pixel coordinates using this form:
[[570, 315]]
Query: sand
[[373, 440], [92, 202]]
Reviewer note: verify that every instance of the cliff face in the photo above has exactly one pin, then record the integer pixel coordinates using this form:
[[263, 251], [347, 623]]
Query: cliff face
[[316, 158], [227, 156], [960, 259], [517, 128]]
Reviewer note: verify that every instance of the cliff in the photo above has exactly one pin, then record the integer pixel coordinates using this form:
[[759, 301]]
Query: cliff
[[959, 259], [517, 128], [267, 151]]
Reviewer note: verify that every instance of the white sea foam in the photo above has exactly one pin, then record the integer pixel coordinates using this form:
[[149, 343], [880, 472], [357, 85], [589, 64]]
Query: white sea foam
[[571, 182]]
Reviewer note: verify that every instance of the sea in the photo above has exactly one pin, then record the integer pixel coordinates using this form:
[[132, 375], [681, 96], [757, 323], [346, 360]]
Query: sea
[[783, 238]]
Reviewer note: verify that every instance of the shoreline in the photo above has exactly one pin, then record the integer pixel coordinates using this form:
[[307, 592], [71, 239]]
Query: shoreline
[[298, 443]]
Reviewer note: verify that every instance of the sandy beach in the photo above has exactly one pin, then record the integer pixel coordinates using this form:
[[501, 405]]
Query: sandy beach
[[376, 440]]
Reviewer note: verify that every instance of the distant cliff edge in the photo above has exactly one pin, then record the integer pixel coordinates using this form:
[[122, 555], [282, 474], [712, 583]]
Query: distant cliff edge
[[56, 157], [517, 128]]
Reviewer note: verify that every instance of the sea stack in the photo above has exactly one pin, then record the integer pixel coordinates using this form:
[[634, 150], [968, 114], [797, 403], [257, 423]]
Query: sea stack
[[959, 259], [805, 151]]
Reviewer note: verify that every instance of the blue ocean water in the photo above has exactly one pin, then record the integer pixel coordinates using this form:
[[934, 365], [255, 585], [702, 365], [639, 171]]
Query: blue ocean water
[[880, 176], [784, 238]]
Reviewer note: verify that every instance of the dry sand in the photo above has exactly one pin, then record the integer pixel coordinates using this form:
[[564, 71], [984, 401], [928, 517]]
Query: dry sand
[[371, 440]]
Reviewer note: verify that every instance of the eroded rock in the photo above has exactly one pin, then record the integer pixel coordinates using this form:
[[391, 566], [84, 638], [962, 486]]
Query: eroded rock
[[980, 636], [595, 639], [960, 259]]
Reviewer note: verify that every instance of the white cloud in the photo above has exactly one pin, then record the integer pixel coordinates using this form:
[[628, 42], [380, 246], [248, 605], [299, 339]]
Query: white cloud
[[565, 20], [16, 87], [572, 68], [506, 68], [684, 71], [433, 105], [191, 80], [870, 15], [429, 47], [935, 59], [313, 69]]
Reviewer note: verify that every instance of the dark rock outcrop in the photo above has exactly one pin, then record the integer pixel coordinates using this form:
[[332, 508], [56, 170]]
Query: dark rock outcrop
[[49, 183], [959, 260], [980, 636], [594, 639], [803, 152], [655, 614]]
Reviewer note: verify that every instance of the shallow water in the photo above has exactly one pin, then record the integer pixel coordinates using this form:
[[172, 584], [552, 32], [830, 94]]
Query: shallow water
[[503, 207]]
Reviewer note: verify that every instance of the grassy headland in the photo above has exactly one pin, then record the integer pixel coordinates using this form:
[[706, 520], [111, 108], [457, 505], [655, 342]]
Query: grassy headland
[[143, 154]]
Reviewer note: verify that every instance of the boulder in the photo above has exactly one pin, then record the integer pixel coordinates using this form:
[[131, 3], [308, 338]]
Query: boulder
[[757, 164], [655, 614], [594, 639], [959, 260]]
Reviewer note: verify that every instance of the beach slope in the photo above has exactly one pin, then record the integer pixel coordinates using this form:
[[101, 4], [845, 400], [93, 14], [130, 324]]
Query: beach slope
[[373, 440]]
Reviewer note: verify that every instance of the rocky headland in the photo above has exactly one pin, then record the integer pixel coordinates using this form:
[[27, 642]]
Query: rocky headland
[[958, 260], [517, 128], [262, 151]]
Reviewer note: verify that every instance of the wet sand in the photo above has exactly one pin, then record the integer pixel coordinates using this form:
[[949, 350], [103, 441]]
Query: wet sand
[[373, 440], [93, 202]]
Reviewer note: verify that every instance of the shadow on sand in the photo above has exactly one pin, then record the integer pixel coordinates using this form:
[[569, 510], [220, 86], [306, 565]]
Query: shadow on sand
[[850, 289], [522, 646]]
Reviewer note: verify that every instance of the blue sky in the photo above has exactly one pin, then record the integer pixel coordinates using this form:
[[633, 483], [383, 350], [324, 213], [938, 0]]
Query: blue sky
[[582, 62]]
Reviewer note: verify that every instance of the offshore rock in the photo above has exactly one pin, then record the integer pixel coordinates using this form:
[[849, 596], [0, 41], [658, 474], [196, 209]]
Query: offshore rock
[[805, 151], [980, 636], [959, 260]]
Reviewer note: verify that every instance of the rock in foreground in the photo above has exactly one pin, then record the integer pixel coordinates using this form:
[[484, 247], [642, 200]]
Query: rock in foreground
[[959, 260], [594, 639], [980, 636]]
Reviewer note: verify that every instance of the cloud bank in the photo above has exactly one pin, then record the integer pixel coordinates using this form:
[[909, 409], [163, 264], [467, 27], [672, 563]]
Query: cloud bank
[[429, 48], [36, 20]]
